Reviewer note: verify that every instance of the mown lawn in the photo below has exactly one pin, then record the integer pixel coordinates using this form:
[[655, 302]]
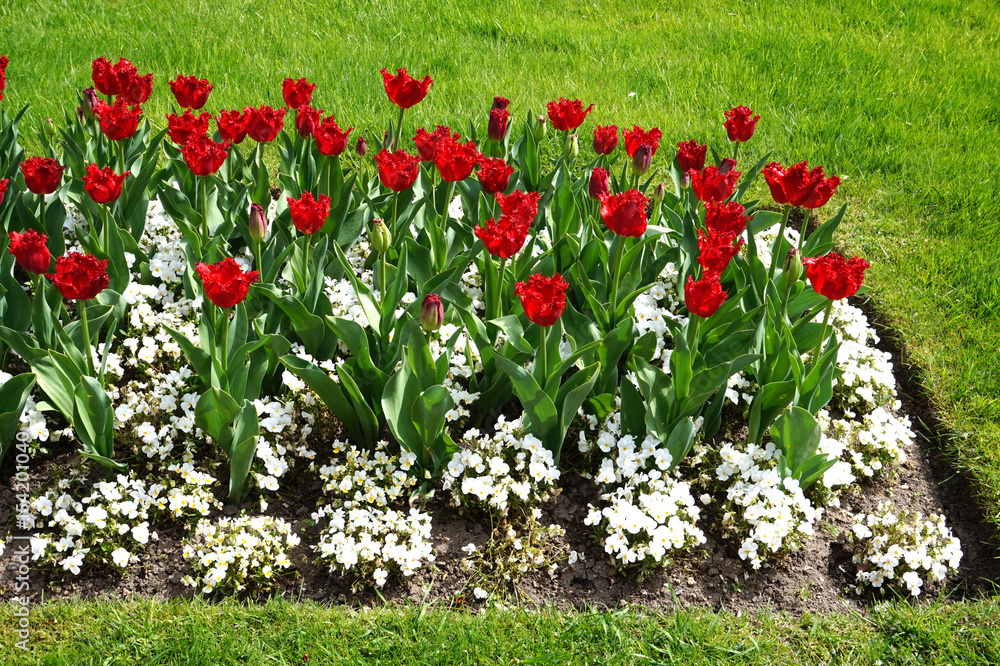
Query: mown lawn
[[900, 98]]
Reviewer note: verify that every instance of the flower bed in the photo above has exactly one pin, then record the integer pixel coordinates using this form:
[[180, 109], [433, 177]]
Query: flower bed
[[377, 348]]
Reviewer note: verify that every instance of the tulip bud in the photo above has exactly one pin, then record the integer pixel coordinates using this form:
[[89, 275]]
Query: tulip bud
[[659, 193], [500, 103], [431, 313], [792, 268], [538, 130], [571, 147], [728, 164], [88, 102], [257, 224], [599, 185], [361, 148], [685, 180], [380, 237], [50, 128], [642, 159]]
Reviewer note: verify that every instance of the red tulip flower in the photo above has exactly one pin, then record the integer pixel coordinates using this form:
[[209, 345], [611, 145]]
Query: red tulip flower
[[716, 250], [397, 170], [521, 206], [225, 282], [427, 143], [599, 185], [330, 139], [42, 175], [3, 74], [727, 218], [797, 186], [113, 79], [739, 124], [264, 123], [691, 156], [715, 185], [80, 276], [181, 128], [118, 121], [704, 297], [497, 128], [494, 174], [204, 156], [625, 214], [190, 91], [456, 160], [139, 90], [297, 93], [834, 277], [431, 313], [30, 251], [504, 237], [306, 120], [638, 137], [403, 90], [361, 147], [308, 214], [543, 298], [103, 185], [233, 125], [567, 115], [3, 188], [500, 103], [605, 139]]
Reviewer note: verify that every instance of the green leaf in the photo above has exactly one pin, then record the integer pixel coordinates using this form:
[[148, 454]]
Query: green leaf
[[821, 240], [93, 421], [245, 434], [330, 392], [680, 441], [428, 413], [13, 395], [539, 409], [214, 414], [769, 401]]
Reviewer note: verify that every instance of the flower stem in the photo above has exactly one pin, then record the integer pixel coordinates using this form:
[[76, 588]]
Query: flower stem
[[822, 335], [777, 240], [81, 306], [121, 156], [257, 257], [399, 129], [305, 268], [805, 225], [383, 264], [224, 358], [43, 211], [106, 230], [736, 150], [618, 252], [500, 280], [203, 193], [541, 362], [397, 232]]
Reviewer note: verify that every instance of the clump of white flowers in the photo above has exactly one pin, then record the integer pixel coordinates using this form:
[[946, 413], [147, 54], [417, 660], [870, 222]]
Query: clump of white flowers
[[238, 553], [364, 525], [875, 443], [768, 515], [902, 549], [648, 516]]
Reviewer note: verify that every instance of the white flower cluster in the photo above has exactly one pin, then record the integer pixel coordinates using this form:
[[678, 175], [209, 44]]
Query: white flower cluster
[[510, 468], [768, 514], [359, 528], [902, 549], [875, 444], [238, 553], [650, 515], [866, 380], [115, 517]]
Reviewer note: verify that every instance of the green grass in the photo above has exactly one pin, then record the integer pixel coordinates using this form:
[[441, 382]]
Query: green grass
[[151, 632], [898, 97]]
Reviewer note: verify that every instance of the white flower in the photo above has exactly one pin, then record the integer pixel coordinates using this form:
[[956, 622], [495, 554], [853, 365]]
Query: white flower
[[380, 576], [121, 557]]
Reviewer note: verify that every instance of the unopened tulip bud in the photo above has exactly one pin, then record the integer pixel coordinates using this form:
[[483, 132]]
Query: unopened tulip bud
[[599, 185], [659, 193], [571, 148], [728, 164], [381, 239], [538, 130], [431, 313], [50, 128], [257, 224], [792, 268], [685, 180], [642, 159], [361, 148], [88, 102]]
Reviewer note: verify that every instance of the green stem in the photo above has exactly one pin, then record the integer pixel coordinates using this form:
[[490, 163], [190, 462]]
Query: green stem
[[398, 233], [822, 335], [326, 176], [500, 289], [541, 361], [106, 230], [399, 129], [383, 264], [257, 257], [81, 306], [121, 156], [777, 241], [203, 193], [224, 358], [440, 253], [805, 225], [614, 283], [305, 269], [736, 150], [43, 211]]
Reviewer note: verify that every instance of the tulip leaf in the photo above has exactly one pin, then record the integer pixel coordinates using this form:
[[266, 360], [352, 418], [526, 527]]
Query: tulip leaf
[[13, 396], [539, 409], [93, 420], [214, 413], [245, 435], [821, 240], [197, 357], [428, 412], [309, 328], [771, 399]]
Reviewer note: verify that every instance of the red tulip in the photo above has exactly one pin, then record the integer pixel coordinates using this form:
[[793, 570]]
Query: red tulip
[[3, 188], [500, 103], [427, 143], [139, 90], [306, 120], [80, 276], [739, 125], [297, 93], [638, 137], [233, 125], [431, 313], [103, 185], [798, 186], [225, 282], [42, 175], [599, 185], [605, 139], [330, 139], [567, 115], [522, 206], [264, 123], [308, 214], [190, 91], [361, 147], [397, 170], [403, 90], [181, 128], [504, 237], [120, 121], [704, 297], [726, 218], [691, 155], [834, 277], [625, 214], [3, 74], [715, 185], [456, 160], [494, 174], [113, 79], [204, 156], [716, 250], [543, 298], [30, 251], [497, 128]]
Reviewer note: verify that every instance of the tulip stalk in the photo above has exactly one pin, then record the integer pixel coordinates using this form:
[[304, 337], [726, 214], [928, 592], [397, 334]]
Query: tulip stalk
[[805, 225], [399, 128], [82, 307], [777, 241], [618, 252], [822, 335]]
